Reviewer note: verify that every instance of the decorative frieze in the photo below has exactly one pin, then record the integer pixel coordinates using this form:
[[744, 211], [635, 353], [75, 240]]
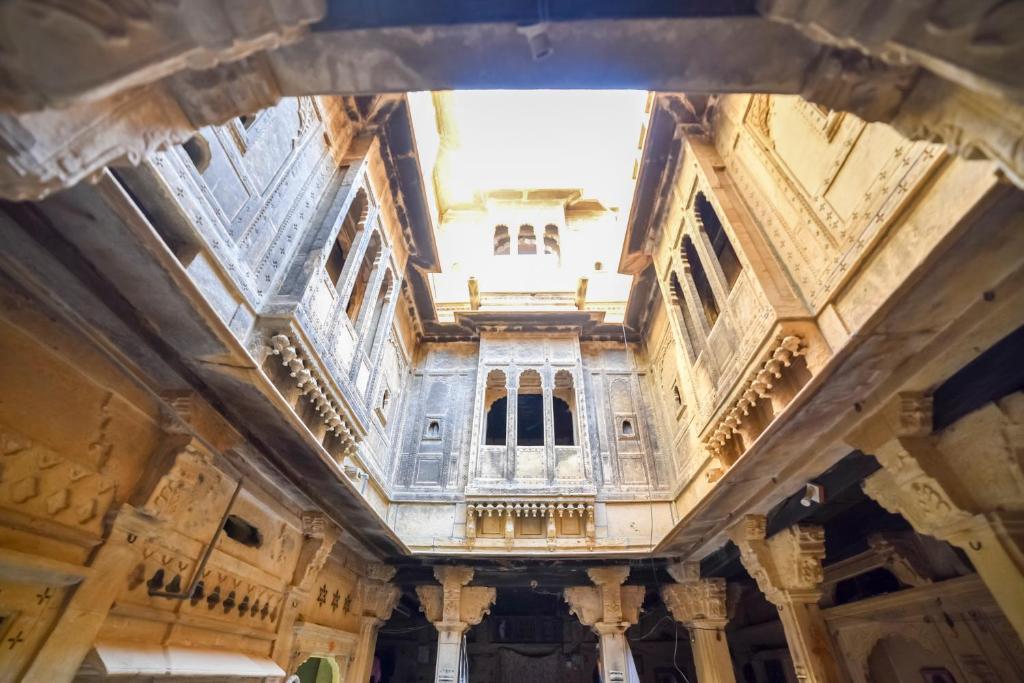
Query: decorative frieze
[[511, 510], [759, 386]]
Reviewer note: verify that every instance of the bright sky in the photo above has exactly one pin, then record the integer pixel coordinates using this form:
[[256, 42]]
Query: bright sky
[[472, 142], [548, 139]]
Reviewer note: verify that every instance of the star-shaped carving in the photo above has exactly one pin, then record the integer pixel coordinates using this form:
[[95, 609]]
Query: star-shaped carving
[[335, 600], [322, 597]]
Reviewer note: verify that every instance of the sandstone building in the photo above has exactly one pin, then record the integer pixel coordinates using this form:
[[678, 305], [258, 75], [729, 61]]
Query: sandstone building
[[636, 342]]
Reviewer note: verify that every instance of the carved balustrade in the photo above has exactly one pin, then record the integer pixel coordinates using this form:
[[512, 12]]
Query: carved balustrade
[[511, 518]]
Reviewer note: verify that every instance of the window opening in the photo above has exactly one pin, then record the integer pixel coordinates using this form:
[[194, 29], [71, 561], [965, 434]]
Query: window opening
[[527, 242], [551, 243], [198, 151], [677, 397], [355, 302], [342, 246], [627, 428], [247, 120], [563, 409], [502, 243], [563, 423], [497, 420], [433, 429], [530, 410], [496, 406], [237, 529], [700, 280], [720, 243], [689, 329]]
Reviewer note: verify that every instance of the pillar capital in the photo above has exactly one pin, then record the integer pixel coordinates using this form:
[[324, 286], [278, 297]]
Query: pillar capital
[[375, 598], [700, 605], [787, 566], [961, 485], [453, 603], [700, 602], [610, 603], [608, 576]]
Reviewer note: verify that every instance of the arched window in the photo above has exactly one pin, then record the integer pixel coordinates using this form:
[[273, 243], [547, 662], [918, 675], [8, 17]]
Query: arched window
[[689, 329], [720, 243], [530, 410], [319, 670], [563, 409], [677, 397], [502, 243], [551, 244], [198, 151], [700, 280], [355, 301], [346, 235], [496, 407], [627, 428], [527, 242]]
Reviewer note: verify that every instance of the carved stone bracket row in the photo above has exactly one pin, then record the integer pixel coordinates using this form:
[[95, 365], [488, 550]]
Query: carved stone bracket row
[[312, 384], [759, 386], [531, 509], [549, 510]]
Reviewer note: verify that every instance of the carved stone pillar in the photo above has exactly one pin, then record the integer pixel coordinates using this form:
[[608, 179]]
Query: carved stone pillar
[[787, 568], [699, 604], [452, 608], [380, 335], [712, 266], [375, 598], [350, 270], [511, 426], [71, 638], [373, 287], [962, 486], [547, 401], [693, 302], [690, 348], [609, 609], [319, 537]]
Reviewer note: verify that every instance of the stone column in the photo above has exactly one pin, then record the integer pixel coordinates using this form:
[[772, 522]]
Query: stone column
[[787, 568], [712, 267], [699, 605], [685, 276], [319, 537], [355, 259], [691, 347], [73, 635], [373, 287], [961, 486], [512, 423], [375, 599], [547, 387], [609, 609], [452, 608], [386, 318]]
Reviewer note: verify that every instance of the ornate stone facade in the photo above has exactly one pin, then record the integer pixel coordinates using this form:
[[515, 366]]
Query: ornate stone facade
[[250, 403]]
